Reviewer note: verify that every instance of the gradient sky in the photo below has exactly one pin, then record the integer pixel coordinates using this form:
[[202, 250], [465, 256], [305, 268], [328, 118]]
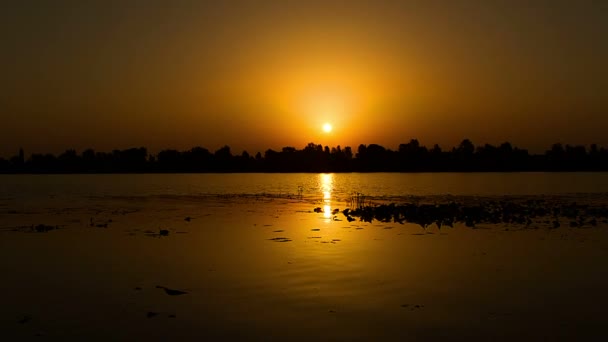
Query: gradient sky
[[267, 74]]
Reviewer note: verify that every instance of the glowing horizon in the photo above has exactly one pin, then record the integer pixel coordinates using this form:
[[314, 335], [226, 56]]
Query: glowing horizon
[[258, 77]]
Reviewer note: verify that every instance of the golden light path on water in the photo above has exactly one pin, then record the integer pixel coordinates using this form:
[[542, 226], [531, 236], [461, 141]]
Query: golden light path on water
[[327, 180]]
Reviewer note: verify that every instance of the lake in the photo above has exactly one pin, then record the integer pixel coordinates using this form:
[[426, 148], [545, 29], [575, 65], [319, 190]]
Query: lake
[[96, 257]]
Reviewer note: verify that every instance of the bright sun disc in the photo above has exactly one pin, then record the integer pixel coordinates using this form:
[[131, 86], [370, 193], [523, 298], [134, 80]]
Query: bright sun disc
[[327, 127]]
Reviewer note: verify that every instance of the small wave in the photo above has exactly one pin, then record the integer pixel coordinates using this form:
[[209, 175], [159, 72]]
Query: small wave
[[601, 197]]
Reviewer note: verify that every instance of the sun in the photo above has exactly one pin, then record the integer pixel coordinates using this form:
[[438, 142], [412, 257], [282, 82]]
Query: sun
[[327, 127]]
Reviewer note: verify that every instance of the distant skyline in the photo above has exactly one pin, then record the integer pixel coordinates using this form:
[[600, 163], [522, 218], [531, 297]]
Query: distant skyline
[[267, 74]]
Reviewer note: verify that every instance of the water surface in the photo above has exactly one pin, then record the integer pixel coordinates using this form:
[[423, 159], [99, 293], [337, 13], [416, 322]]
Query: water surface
[[259, 264]]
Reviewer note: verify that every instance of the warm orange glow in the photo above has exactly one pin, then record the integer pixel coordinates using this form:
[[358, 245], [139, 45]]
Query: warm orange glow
[[306, 90], [327, 127], [258, 77], [327, 181]]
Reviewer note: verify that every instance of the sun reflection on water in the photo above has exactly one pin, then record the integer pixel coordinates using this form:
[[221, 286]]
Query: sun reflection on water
[[327, 180]]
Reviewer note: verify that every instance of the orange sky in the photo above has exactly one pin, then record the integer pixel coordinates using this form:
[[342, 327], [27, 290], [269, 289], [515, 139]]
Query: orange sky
[[267, 74]]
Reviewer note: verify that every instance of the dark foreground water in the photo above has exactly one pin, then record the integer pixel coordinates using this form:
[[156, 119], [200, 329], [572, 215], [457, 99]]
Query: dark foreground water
[[257, 263]]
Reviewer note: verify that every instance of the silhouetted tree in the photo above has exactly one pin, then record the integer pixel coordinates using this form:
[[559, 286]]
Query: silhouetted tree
[[411, 156]]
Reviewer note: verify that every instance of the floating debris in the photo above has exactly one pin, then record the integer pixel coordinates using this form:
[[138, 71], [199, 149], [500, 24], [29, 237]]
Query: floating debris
[[99, 225], [412, 306], [151, 314], [188, 219], [171, 292], [280, 239], [43, 228], [163, 232]]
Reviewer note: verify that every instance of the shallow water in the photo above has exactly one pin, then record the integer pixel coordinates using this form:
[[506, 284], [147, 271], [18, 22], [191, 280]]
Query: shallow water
[[259, 264]]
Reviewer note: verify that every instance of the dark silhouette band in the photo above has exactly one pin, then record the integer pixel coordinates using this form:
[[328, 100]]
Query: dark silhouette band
[[410, 157]]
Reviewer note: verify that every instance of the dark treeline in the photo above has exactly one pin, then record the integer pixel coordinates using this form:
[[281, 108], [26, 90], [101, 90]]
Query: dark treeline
[[410, 157]]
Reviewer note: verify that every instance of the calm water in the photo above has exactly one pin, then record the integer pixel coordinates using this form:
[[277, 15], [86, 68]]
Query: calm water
[[259, 264], [341, 186]]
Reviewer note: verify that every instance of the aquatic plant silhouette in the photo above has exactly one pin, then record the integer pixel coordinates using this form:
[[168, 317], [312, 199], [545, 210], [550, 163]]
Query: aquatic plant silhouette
[[358, 200], [43, 228], [529, 213]]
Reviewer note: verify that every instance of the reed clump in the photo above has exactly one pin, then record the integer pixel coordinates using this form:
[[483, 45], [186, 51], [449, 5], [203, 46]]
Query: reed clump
[[531, 213]]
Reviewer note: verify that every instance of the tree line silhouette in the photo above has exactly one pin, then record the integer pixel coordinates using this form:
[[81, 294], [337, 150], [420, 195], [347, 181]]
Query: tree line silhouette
[[409, 157]]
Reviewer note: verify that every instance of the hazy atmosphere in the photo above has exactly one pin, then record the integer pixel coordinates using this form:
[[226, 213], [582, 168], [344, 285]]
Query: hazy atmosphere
[[266, 74], [303, 170]]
